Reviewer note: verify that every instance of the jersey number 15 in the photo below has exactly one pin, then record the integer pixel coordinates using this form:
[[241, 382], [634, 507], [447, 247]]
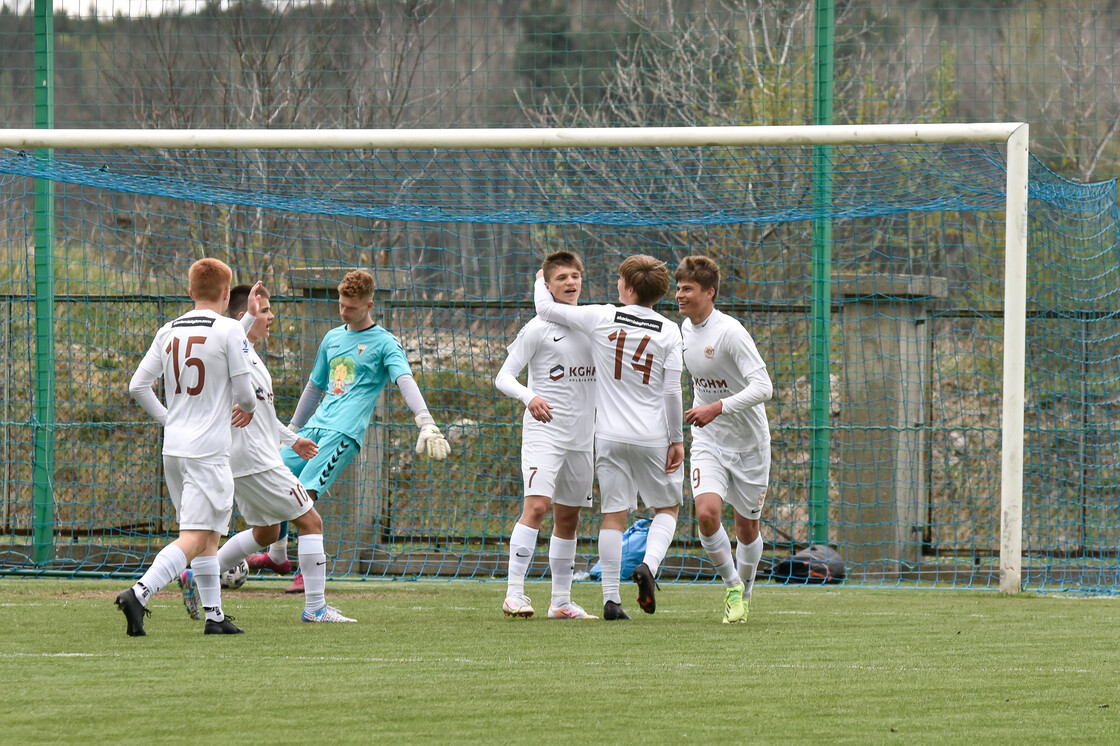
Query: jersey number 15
[[188, 362]]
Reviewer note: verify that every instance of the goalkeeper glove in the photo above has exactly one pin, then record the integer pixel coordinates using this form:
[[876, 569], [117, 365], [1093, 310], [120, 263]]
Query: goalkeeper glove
[[431, 440]]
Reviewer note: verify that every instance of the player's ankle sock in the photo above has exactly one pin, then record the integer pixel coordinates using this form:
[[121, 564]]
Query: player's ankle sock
[[660, 536], [209, 589], [522, 543], [237, 547], [278, 550], [748, 557], [610, 563], [561, 563], [718, 547], [167, 565], [313, 565]]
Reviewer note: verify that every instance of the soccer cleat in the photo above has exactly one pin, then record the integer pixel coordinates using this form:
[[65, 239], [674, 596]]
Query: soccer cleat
[[224, 627], [644, 578], [517, 606], [734, 606], [134, 612], [568, 611], [613, 611], [297, 584], [190, 593], [263, 562], [325, 614]]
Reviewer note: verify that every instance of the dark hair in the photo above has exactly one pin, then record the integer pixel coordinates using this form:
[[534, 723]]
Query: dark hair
[[701, 270], [647, 277], [560, 259], [239, 299]]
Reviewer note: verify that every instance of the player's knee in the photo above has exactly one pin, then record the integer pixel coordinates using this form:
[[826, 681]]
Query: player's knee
[[265, 535], [535, 510], [707, 520], [310, 522]]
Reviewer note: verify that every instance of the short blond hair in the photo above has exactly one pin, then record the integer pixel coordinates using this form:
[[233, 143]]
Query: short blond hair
[[356, 284], [646, 276], [209, 279]]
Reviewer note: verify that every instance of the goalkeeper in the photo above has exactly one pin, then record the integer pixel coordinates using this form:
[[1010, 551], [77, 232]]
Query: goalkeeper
[[352, 366]]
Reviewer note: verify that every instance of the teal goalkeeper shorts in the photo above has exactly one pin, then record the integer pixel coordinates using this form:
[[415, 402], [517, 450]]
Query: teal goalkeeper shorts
[[335, 452]]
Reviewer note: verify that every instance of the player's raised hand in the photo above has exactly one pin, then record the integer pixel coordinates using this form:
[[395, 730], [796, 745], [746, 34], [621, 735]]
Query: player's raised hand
[[254, 300], [702, 415], [241, 418], [674, 458], [540, 410], [305, 448], [431, 440]]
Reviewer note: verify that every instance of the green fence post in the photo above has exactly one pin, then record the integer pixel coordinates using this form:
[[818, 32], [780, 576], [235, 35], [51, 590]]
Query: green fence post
[[42, 525], [822, 279]]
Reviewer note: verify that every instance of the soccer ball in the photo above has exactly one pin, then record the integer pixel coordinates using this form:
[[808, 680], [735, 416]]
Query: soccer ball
[[236, 576]]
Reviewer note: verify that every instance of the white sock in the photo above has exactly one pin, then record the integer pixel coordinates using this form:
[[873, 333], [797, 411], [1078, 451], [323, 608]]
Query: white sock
[[313, 565], [278, 550], [748, 557], [209, 590], [168, 565], [660, 536], [610, 563], [718, 547], [237, 547], [522, 543], [562, 564]]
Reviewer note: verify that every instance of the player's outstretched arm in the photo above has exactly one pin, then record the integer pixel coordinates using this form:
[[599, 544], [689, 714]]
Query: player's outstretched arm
[[431, 440], [306, 405]]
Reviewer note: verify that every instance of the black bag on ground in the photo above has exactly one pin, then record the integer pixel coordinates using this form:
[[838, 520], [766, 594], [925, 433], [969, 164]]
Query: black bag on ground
[[816, 565]]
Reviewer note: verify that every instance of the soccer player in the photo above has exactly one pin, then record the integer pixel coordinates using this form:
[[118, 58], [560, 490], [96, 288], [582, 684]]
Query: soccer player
[[730, 454], [639, 441], [203, 358], [557, 438], [352, 366], [266, 491]]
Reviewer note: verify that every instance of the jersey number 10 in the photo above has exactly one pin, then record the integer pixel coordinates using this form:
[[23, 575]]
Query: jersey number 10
[[645, 367]]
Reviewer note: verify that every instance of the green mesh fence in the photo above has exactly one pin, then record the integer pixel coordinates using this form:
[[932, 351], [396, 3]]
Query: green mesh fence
[[453, 238]]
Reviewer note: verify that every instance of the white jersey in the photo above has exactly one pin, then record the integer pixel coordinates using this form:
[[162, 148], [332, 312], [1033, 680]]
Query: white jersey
[[634, 348], [721, 357], [562, 373], [256, 447], [196, 355]]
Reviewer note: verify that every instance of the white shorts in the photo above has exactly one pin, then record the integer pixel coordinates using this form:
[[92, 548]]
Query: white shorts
[[627, 470], [269, 497], [557, 473], [740, 478], [201, 491]]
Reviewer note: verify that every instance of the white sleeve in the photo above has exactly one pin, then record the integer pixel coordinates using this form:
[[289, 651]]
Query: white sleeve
[[506, 380], [243, 393], [759, 388], [674, 408], [140, 387], [247, 321], [410, 391], [581, 318], [286, 436]]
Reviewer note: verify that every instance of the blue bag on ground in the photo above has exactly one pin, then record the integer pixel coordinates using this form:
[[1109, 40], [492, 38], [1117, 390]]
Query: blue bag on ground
[[633, 549]]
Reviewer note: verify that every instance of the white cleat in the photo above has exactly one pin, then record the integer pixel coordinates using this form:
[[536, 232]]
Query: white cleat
[[517, 606], [569, 611], [325, 614]]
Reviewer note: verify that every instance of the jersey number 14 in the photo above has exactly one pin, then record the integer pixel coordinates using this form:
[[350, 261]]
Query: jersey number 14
[[645, 367]]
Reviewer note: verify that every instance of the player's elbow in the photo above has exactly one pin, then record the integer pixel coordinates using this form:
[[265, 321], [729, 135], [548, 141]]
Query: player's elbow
[[137, 385]]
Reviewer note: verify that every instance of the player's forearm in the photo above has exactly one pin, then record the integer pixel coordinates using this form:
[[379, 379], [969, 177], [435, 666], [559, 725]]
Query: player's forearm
[[140, 389], [243, 393], [547, 307], [308, 400], [759, 389], [674, 407], [247, 322], [506, 382], [285, 435], [410, 391]]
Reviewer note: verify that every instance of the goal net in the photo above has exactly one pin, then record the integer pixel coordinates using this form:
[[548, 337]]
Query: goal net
[[869, 263]]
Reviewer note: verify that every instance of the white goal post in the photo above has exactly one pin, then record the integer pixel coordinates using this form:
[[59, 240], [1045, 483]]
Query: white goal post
[[1013, 135]]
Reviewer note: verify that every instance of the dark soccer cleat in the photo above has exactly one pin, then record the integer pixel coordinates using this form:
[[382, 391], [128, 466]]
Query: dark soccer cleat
[[644, 578], [134, 612], [224, 627], [613, 611]]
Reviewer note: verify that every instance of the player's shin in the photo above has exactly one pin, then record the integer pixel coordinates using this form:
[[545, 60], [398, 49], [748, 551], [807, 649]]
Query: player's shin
[[661, 531], [313, 565], [610, 563], [718, 547], [209, 589], [561, 564], [748, 556], [167, 565], [237, 547]]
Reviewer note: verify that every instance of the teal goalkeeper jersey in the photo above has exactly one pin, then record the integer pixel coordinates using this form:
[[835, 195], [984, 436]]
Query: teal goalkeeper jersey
[[352, 368]]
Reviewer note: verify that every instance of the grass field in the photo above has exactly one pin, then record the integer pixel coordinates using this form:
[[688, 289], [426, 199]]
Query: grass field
[[435, 662]]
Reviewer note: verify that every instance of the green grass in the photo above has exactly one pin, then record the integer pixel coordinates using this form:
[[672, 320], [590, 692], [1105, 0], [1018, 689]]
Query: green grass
[[436, 662]]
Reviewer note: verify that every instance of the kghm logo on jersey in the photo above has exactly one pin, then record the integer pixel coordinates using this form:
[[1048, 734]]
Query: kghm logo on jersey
[[573, 372], [710, 383], [709, 352], [556, 372]]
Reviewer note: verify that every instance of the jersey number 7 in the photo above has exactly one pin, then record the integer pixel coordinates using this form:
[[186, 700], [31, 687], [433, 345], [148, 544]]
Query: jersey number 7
[[188, 362], [644, 367]]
